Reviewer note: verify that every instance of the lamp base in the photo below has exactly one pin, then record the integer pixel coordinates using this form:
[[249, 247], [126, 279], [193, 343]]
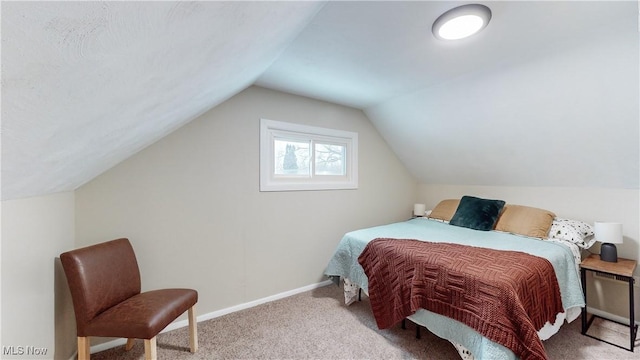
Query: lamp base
[[608, 252]]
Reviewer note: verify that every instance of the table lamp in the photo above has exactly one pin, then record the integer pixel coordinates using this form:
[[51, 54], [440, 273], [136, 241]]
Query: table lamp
[[608, 234]]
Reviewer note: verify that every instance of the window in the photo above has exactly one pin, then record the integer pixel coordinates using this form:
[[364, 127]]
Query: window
[[301, 157]]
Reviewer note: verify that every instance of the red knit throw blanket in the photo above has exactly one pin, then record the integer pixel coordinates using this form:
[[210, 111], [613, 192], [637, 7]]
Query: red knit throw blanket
[[504, 295]]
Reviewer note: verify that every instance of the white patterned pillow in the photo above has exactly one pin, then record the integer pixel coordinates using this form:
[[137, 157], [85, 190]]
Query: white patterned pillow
[[577, 232]]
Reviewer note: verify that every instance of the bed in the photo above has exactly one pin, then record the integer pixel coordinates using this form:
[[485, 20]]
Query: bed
[[560, 249]]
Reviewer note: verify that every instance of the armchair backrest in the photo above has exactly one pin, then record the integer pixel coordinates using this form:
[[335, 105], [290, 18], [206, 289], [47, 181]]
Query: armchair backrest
[[100, 276]]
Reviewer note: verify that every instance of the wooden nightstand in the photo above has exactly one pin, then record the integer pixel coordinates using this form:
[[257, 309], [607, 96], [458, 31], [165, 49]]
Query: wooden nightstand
[[622, 270]]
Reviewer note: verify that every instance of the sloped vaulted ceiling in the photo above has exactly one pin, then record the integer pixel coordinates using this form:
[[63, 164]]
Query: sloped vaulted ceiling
[[546, 95], [87, 84]]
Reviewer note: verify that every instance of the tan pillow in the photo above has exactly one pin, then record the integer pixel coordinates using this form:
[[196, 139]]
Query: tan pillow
[[525, 220], [445, 209]]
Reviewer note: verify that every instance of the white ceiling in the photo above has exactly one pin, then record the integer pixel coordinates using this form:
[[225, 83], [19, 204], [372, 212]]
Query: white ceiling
[[363, 54], [87, 84]]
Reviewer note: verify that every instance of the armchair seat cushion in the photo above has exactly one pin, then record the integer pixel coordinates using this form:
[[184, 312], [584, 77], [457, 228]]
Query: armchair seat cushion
[[142, 316]]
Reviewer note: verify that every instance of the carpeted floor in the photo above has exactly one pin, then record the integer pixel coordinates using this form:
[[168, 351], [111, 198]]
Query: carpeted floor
[[317, 325]]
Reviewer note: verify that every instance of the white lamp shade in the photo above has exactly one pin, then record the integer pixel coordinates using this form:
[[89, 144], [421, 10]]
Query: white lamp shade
[[607, 232], [419, 209]]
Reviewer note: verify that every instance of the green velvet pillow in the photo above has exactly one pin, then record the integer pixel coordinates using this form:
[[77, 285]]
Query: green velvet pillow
[[476, 213]]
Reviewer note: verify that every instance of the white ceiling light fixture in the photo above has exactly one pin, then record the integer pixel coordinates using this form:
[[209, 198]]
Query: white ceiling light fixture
[[461, 22]]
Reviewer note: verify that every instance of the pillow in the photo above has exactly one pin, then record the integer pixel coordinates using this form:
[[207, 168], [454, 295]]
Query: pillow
[[577, 232], [525, 220], [478, 214], [444, 210]]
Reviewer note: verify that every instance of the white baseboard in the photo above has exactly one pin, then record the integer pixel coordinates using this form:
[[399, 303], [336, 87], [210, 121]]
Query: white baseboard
[[107, 345], [610, 316], [215, 314]]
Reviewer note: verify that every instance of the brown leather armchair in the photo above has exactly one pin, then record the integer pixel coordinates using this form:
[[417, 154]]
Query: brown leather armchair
[[104, 280]]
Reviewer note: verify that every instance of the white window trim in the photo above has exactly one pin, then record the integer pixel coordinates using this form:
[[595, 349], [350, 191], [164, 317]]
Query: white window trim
[[270, 182]]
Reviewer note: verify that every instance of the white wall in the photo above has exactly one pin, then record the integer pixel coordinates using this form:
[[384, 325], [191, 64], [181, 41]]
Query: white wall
[[585, 204], [34, 232], [192, 208]]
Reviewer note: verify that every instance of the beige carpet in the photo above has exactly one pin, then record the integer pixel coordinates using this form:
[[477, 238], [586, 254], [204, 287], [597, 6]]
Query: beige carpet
[[317, 325]]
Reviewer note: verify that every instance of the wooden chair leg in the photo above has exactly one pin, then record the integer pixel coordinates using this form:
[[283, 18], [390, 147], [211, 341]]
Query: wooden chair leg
[[84, 347], [150, 349], [130, 343], [193, 329]]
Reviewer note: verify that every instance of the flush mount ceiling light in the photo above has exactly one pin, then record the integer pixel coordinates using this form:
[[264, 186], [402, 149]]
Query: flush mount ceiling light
[[461, 22]]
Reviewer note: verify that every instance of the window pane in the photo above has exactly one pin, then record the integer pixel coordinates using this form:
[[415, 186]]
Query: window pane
[[292, 157], [330, 159], [296, 157]]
